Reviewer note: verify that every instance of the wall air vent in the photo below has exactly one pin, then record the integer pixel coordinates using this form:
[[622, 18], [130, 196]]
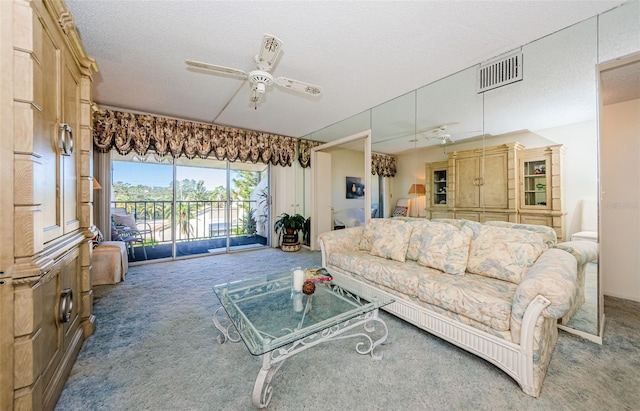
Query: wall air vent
[[500, 72]]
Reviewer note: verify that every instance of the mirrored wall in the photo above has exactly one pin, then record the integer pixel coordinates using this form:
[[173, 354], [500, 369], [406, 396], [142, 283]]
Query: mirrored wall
[[554, 105]]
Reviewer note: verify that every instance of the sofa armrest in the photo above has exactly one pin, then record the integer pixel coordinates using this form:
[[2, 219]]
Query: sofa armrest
[[337, 241], [553, 276], [583, 251]]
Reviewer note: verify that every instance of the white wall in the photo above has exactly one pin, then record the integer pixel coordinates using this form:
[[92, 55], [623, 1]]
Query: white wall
[[619, 208]]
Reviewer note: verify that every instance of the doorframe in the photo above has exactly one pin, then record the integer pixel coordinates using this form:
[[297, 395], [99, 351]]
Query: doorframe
[[363, 135], [615, 63]]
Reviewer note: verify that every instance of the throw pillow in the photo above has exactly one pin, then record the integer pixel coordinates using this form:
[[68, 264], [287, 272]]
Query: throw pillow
[[445, 248], [504, 253], [400, 211], [125, 219], [97, 239], [391, 240]]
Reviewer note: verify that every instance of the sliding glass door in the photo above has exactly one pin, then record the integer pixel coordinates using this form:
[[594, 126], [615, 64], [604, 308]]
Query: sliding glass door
[[194, 206]]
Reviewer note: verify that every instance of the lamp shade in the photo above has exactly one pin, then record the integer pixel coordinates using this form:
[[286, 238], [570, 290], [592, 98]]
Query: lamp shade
[[417, 189], [96, 185]]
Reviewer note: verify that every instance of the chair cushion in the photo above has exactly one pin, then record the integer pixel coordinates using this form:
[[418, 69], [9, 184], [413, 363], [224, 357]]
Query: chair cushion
[[125, 219]]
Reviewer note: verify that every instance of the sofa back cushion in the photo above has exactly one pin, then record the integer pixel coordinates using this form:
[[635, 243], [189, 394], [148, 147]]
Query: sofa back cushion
[[548, 234], [445, 248], [503, 253], [390, 239], [415, 241], [367, 235]]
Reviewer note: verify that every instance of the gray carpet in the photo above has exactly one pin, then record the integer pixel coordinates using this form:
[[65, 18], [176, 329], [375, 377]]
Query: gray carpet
[[155, 349]]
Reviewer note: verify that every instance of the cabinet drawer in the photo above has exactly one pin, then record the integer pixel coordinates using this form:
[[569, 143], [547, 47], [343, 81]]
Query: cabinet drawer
[[536, 219]]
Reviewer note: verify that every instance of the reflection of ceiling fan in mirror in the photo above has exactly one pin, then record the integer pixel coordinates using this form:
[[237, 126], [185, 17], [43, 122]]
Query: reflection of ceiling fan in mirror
[[260, 79], [437, 133]]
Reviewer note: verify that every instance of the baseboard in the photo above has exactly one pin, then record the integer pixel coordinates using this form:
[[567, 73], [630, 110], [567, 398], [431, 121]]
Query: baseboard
[[635, 298]]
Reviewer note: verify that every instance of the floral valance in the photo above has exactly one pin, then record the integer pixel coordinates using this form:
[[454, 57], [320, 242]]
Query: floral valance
[[126, 132], [304, 151], [381, 164]]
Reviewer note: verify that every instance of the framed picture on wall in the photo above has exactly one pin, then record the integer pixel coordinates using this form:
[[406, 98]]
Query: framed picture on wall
[[355, 188]]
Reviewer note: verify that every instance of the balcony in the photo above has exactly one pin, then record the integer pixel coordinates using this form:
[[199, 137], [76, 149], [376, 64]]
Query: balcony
[[201, 227]]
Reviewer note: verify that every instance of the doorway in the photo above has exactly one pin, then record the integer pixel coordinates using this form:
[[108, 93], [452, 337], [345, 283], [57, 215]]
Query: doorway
[[328, 181], [619, 178]]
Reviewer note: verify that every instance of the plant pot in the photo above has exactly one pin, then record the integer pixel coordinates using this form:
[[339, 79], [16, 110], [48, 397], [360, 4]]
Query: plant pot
[[290, 242]]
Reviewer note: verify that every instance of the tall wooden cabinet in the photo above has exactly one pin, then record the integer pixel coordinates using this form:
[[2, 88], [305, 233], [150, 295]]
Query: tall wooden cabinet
[[483, 183], [500, 183], [46, 206]]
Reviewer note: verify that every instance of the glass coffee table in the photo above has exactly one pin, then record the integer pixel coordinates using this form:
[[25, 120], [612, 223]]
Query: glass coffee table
[[276, 323]]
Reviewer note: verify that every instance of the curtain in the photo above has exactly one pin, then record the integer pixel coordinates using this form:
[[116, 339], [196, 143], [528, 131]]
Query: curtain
[[102, 197], [383, 165], [126, 132]]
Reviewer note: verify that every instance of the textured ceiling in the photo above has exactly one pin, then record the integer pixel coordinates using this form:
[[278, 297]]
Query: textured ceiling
[[361, 53]]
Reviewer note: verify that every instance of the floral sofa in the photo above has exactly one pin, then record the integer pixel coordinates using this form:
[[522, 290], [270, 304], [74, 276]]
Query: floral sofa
[[495, 291]]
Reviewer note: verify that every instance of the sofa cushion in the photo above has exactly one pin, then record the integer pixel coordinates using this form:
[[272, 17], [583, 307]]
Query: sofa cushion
[[480, 298], [445, 247], [367, 236], [548, 234], [418, 227], [503, 253], [401, 277], [391, 240]]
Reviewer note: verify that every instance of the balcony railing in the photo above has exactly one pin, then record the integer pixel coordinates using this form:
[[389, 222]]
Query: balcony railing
[[195, 220]]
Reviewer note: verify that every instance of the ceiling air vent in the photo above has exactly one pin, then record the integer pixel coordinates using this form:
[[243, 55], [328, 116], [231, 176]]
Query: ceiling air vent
[[498, 73]]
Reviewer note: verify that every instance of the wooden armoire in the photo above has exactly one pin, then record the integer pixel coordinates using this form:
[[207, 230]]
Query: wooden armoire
[[46, 201]]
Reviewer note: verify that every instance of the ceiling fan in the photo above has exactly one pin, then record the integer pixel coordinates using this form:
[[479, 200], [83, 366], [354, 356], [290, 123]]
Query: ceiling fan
[[260, 79], [437, 133]]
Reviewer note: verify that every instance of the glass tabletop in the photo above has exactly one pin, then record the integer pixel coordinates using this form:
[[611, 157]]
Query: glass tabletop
[[268, 314]]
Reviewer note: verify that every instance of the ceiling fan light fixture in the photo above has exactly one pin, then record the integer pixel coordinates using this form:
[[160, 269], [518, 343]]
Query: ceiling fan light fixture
[[260, 88], [255, 96]]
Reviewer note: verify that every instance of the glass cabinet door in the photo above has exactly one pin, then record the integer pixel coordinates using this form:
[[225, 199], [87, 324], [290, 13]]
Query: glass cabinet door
[[535, 183], [440, 187]]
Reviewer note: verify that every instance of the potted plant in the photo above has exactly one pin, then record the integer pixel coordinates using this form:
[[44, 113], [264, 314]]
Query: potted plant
[[288, 226]]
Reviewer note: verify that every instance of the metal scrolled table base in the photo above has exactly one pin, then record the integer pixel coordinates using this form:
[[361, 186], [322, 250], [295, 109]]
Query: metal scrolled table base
[[272, 361], [227, 331]]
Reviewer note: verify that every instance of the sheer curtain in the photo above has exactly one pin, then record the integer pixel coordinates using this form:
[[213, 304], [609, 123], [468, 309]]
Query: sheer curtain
[[102, 198]]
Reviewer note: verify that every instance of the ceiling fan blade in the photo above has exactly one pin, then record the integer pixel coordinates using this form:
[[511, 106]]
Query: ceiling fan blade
[[271, 47], [298, 86], [218, 69]]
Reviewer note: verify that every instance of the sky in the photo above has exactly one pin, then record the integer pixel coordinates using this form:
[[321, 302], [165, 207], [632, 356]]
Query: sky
[[161, 175]]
